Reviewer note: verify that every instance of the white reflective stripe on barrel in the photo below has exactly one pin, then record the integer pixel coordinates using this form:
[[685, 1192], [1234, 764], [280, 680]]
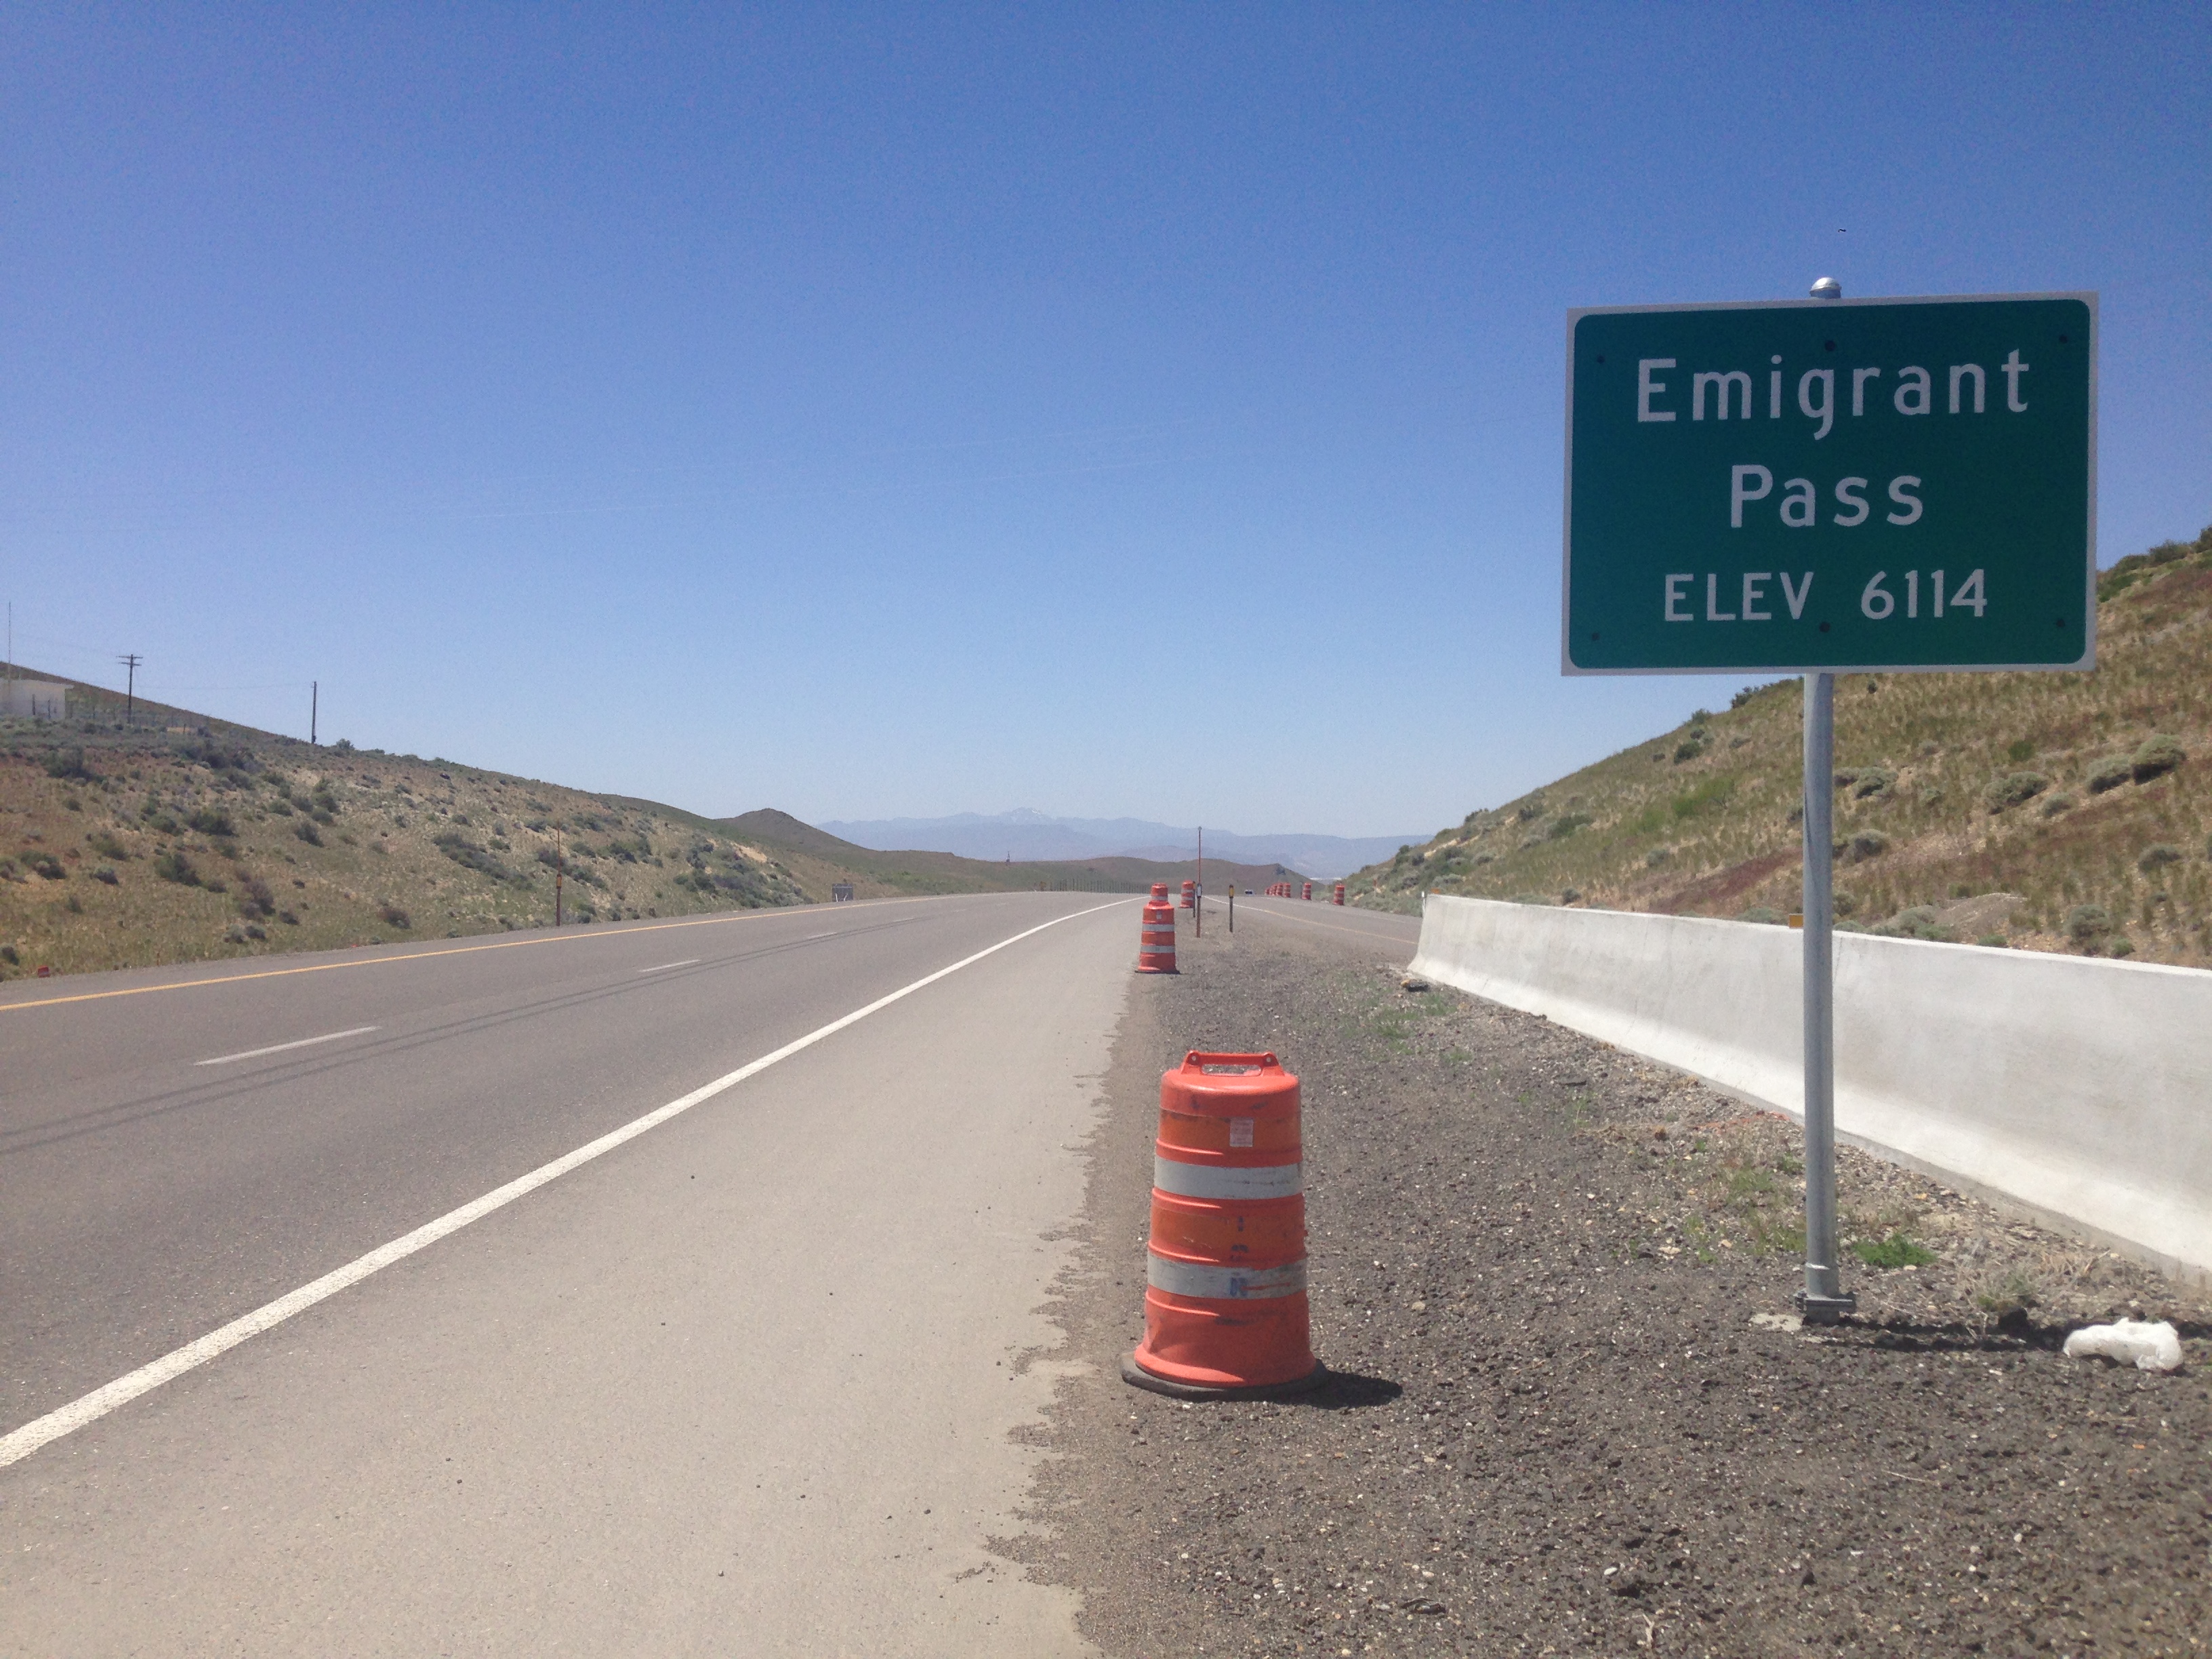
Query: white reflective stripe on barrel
[[1227, 1180], [1223, 1283]]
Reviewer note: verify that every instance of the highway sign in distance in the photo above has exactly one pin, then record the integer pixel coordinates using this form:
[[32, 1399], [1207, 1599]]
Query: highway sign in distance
[[1832, 485]]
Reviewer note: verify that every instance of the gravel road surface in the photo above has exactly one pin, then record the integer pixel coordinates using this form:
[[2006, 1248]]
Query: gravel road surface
[[1572, 1411]]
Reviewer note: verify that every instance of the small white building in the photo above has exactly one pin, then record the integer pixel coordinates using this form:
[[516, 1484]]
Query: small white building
[[38, 700]]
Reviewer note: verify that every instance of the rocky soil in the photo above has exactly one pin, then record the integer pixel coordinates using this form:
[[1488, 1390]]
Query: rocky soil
[[1570, 1410]]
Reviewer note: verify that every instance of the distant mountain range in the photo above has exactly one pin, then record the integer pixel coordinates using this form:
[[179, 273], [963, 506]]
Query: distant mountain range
[[1026, 834]]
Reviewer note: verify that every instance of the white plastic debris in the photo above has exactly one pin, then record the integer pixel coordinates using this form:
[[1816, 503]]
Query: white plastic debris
[[2148, 1345]]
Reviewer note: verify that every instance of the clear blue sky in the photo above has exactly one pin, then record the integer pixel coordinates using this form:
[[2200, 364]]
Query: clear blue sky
[[903, 410]]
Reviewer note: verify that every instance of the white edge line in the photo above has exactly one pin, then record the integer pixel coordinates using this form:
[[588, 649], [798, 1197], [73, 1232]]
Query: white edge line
[[279, 1048], [688, 962], [89, 1408]]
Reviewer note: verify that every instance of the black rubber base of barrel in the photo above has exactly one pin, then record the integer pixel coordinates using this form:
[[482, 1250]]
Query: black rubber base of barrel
[[1138, 1378]]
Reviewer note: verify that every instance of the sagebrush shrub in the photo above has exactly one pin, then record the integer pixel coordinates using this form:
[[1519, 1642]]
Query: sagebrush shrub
[[2156, 757], [2013, 788], [2108, 774], [2087, 923]]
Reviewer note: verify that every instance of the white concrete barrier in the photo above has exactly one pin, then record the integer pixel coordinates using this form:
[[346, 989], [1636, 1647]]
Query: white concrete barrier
[[2077, 1087]]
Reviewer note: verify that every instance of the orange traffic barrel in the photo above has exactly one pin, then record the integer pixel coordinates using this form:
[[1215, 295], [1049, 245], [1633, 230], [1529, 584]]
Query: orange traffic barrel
[[1225, 1308], [1309, 892], [1338, 899], [1159, 892], [1190, 896], [1155, 941]]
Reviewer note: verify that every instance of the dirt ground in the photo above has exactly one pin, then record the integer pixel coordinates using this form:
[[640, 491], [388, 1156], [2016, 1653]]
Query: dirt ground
[[1569, 1410]]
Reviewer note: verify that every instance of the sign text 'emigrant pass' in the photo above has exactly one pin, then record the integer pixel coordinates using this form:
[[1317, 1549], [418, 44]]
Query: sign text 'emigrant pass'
[[1832, 484]]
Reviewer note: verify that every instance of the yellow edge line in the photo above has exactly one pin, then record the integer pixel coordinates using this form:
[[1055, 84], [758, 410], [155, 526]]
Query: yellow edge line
[[424, 955]]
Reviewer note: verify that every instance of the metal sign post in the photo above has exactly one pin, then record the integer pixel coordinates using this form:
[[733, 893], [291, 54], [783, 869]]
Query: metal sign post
[[1827, 486], [1824, 1299]]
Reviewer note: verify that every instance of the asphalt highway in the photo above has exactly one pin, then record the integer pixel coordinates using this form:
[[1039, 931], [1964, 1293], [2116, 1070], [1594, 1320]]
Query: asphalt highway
[[742, 1383]]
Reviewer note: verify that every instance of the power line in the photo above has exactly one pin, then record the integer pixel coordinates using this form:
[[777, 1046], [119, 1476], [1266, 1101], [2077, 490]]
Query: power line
[[279, 685]]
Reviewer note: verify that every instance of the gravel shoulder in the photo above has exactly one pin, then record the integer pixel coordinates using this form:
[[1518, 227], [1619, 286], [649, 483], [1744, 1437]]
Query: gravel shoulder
[[1571, 1412]]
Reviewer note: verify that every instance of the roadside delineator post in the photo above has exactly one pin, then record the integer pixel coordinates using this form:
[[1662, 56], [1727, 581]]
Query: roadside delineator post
[[1156, 937], [1338, 899], [1226, 1311]]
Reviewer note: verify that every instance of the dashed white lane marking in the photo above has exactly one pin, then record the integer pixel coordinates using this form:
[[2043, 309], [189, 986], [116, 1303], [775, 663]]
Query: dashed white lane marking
[[688, 962], [279, 1048], [91, 1407]]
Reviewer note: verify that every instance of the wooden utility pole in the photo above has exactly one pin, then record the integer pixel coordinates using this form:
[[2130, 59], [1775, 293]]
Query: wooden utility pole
[[559, 870], [130, 661]]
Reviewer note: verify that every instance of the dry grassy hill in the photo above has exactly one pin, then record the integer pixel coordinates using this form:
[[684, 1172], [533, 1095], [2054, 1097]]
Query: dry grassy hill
[[2053, 811], [179, 838], [816, 855]]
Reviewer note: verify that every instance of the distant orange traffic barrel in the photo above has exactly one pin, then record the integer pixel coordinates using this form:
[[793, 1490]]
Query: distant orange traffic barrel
[[1226, 1311], [1159, 892], [1309, 892], [1338, 899], [1190, 896], [1156, 940]]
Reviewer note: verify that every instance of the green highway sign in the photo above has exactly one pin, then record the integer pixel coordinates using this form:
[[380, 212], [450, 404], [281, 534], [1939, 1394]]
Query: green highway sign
[[1832, 485]]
